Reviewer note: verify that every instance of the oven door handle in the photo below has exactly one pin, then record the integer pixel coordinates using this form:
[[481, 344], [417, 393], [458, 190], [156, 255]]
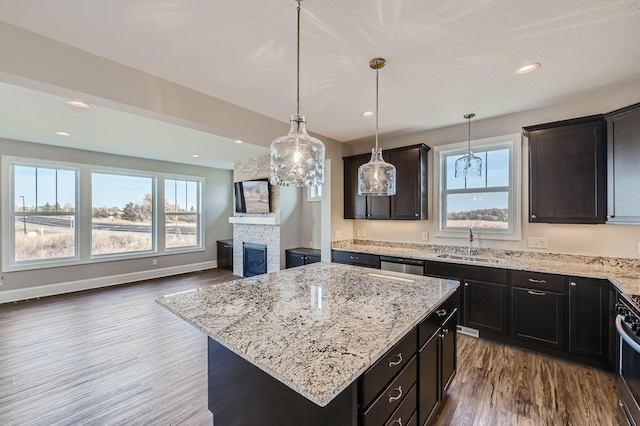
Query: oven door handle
[[623, 333]]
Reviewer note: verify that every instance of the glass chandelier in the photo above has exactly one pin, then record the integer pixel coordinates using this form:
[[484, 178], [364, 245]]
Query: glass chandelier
[[297, 159], [377, 177], [469, 166]]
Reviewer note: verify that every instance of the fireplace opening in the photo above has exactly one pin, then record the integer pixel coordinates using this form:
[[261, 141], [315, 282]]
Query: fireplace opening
[[254, 259]]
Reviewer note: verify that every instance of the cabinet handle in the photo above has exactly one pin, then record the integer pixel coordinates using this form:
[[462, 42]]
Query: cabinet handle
[[416, 215], [397, 397], [397, 421], [533, 216], [531, 280], [445, 331], [466, 284], [394, 363], [441, 312], [573, 284], [536, 293], [353, 257]]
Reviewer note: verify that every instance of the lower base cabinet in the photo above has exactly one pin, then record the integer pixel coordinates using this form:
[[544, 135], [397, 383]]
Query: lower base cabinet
[[485, 306], [538, 316]]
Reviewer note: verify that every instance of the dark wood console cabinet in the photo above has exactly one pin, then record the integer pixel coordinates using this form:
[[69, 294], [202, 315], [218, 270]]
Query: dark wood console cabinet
[[567, 171], [410, 201], [225, 254], [301, 256]]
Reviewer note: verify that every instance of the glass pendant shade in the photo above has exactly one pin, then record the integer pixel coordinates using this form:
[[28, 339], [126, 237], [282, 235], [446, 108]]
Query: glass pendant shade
[[469, 166], [297, 159], [377, 177]]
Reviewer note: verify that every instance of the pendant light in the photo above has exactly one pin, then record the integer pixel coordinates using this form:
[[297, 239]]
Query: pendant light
[[469, 166], [297, 159], [377, 177]]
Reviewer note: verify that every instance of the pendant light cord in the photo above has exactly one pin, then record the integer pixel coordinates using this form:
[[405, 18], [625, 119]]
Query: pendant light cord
[[377, 73], [469, 144], [298, 69]]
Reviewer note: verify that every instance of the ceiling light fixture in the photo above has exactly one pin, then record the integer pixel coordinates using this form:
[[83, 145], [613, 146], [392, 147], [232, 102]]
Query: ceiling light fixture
[[297, 159], [78, 104], [368, 114], [62, 133], [238, 141], [468, 166], [377, 177], [528, 68]]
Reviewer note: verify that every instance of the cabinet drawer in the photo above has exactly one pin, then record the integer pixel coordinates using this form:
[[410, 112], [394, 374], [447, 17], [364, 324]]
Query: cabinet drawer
[[350, 257], [430, 324], [377, 377], [459, 271], [392, 396], [538, 281], [406, 409]]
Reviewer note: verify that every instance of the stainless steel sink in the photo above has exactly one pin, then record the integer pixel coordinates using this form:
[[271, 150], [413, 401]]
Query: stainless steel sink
[[470, 258]]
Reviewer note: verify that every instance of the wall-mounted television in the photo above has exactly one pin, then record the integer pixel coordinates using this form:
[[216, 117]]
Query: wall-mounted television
[[253, 196]]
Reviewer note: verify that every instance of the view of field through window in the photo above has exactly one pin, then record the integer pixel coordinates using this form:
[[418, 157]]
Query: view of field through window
[[478, 202]]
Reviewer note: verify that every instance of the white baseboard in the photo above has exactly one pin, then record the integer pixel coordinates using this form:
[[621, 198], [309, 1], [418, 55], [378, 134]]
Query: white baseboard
[[71, 286]]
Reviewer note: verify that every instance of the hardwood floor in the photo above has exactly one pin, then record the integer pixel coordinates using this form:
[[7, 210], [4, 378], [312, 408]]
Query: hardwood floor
[[503, 385], [114, 357]]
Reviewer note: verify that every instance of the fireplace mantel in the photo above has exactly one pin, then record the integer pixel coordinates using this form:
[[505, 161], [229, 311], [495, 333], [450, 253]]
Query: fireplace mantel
[[255, 220]]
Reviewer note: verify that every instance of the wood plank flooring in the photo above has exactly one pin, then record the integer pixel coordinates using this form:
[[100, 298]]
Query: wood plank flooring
[[114, 357]]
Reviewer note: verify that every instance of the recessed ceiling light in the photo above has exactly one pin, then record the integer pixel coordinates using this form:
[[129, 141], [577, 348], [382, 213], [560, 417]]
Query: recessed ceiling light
[[63, 134], [237, 141], [195, 155], [528, 68], [368, 114], [78, 104]]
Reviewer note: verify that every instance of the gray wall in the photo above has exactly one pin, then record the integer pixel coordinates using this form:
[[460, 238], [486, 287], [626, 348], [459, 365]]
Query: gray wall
[[217, 208]]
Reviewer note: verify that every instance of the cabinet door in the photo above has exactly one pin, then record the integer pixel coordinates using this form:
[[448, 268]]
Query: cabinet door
[[355, 206], [538, 317], [566, 172], [222, 260], [294, 259], [589, 317], [311, 258], [448, 353], [228, 254], [623, 149], [410, 201], [485, 306], [429, 384]]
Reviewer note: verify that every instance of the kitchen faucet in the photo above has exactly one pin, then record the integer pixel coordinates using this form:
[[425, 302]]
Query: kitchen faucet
[[470, 239]]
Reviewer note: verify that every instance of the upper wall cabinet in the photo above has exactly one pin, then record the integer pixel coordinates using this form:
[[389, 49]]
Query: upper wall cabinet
[[623, 154], [410, 201], [567, 171]]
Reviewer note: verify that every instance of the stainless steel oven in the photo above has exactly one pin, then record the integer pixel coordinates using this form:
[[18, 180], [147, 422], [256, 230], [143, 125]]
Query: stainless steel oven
[[628, 328]]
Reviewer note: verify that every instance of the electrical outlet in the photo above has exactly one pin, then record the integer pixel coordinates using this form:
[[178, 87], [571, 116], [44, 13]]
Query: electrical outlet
[[358, 233], [155, 262], [338, 234], [425, 236], [537, 242], [364, 232]]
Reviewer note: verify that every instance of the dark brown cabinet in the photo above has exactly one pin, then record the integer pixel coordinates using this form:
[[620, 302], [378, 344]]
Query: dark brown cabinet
[[567, 171], [301, 256], [410, 201], [437, 362], [357, 259], [589, 317], [538, 317], [485, 306], [225, 254], [623, 157]]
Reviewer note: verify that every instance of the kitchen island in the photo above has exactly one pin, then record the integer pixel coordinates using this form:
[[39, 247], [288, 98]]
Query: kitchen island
[[323, 344]]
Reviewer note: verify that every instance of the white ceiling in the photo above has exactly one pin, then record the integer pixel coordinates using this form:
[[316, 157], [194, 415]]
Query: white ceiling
[[444, 58]]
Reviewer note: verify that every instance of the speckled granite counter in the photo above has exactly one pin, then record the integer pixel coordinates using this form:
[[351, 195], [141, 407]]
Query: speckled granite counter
[[315, 328], [624, 273]]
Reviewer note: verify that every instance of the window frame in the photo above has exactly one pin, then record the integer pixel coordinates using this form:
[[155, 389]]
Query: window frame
[[84, 215], [8, 245], [514, 231]]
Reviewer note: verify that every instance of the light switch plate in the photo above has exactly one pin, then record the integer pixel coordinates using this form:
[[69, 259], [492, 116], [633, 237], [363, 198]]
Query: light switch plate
[[537, 242], [364, 232], [358, 233], [338, 234], [425, 236]]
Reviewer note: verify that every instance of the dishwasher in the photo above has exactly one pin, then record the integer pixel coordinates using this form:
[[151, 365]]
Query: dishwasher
[[400, 264]]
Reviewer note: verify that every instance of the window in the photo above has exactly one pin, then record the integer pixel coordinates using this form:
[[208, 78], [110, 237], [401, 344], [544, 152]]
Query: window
[[121, 213], [314, 193], [182, 213], [61, 214], [43, 213], [489, 204]]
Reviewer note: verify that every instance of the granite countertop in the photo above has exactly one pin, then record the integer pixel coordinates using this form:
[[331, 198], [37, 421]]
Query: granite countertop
[[315, 328], [622, 272]]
